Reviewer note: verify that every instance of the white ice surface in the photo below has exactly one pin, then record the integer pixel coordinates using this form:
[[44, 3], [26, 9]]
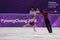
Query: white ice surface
[[14, 33]]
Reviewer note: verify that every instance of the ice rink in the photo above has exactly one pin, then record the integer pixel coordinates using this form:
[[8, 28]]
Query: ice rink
[[17, 33]]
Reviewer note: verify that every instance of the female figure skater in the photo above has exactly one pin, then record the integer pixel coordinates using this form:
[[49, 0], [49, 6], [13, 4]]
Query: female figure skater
[[32, 22]]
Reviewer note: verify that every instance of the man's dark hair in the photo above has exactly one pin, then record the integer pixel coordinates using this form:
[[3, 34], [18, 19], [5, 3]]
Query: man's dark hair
[[44, 10]]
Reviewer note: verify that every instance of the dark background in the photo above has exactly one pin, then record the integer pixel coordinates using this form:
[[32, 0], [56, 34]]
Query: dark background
[[23, 6]]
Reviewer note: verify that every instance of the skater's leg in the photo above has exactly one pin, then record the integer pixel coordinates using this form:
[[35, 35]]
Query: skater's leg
[[48, 26], [26, 25], [34, 28]]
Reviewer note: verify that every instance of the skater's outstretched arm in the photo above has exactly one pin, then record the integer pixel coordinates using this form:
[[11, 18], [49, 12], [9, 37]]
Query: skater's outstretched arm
[[52, 12]]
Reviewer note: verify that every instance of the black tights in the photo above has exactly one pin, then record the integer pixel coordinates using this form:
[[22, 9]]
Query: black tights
[[49, 28]]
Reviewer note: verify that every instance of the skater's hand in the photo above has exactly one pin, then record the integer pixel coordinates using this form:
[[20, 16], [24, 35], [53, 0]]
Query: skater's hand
[[55, 11]]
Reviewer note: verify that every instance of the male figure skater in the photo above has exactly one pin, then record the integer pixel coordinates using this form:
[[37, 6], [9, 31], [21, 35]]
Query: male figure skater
[[47, 22]]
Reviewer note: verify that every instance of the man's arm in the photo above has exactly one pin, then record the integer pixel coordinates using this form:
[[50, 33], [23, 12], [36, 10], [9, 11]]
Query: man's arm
[[52, 12]]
